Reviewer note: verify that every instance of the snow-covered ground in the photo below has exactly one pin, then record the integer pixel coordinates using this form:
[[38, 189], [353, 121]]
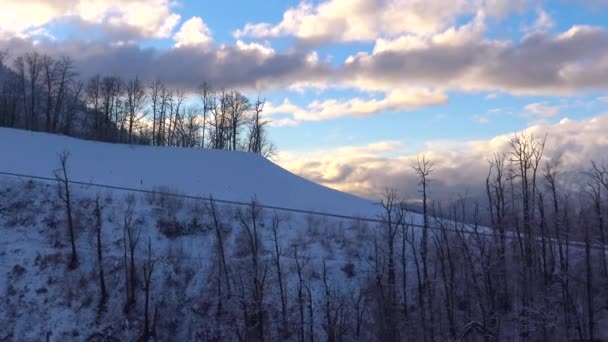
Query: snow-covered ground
[[41, 296], [234, 176]]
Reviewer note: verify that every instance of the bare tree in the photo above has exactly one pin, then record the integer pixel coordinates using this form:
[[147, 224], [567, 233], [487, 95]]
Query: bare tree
[[136, 97], [34, 67], [93, 103], [278, 251], [131, 234], [65, 76], [73, 103], [9, 93], [148, 270], [238, 107], [65, 195], [423, 169], [97, 212], [109, 93], [250, 222], [300, 263], [205, 92], [597, 180], [223, 267], [20, 67], [155, 96], [49, 67], [495, 188], [525, 155]]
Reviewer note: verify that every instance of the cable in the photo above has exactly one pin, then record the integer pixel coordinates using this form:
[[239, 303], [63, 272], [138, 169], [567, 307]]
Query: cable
[[301, 211]]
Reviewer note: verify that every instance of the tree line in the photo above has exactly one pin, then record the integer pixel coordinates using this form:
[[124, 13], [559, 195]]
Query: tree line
[[42, 93]]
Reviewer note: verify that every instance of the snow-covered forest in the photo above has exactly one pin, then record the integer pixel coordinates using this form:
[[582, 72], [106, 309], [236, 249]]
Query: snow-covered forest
[[163, 258]]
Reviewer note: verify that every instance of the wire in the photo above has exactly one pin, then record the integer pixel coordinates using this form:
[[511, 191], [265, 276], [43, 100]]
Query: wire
[[471, 229]]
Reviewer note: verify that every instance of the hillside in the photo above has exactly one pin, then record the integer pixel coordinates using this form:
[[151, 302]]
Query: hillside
[[232, 176], [246, 273]]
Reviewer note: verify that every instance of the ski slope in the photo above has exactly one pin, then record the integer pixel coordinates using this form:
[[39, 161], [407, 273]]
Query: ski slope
[[226, 175]]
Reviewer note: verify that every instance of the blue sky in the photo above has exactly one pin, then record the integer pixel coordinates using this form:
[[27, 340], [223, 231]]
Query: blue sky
[[340, 76]]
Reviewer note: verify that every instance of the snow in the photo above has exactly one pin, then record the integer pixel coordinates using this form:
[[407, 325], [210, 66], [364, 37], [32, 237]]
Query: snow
[[33, 234], [41, 296], [227, 175]]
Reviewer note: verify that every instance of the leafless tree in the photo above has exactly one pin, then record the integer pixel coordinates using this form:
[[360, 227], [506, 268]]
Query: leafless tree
[[49, 67], [22, 81], [205, 92], [131, 234], [597, 180], [423, 169], [65, 195], [97, 212], [223, 267], [250, 221], [300, 263], [278, 251], [148, 270], [256, 129], [33, 61], [495, 188], [65, 75], [155, 97], [136, 97], [238, 107], [525, 155], [93, 102]]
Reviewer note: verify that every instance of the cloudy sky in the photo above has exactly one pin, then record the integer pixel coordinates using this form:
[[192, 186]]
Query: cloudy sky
[[357, 88]]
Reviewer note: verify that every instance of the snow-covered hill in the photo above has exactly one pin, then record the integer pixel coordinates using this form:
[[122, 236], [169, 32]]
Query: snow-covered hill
[[227, 175], [235, 273]]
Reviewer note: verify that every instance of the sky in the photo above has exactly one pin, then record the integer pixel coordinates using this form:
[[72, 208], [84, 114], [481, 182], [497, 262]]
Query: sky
[[356, 89]]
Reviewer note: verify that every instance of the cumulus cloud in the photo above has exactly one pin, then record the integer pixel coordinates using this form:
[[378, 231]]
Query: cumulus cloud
[[340, 20], [446, 55], [459, 166], [146, 18], [239, 66], [194, 32], [367, 20], [395, 100], [541, 63]]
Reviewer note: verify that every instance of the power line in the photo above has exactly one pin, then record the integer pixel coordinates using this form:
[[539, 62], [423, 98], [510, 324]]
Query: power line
[[470, 229]]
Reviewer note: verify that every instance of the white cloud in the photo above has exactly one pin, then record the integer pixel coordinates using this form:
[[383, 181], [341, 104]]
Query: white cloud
[[396, 100], [194, 32], [262, 49], [147, 18], [459, 165], [368, 20], [348, 20], [541, 109], [461, 58], [544, 22]]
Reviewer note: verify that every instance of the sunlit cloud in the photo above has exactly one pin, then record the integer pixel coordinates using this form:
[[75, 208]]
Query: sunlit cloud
[[459, 165]]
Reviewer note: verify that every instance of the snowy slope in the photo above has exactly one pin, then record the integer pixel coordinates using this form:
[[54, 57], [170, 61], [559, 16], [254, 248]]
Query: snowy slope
[[234, 176]]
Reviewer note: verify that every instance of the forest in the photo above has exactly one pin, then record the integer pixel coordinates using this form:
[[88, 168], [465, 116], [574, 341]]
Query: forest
[[43, 93]]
